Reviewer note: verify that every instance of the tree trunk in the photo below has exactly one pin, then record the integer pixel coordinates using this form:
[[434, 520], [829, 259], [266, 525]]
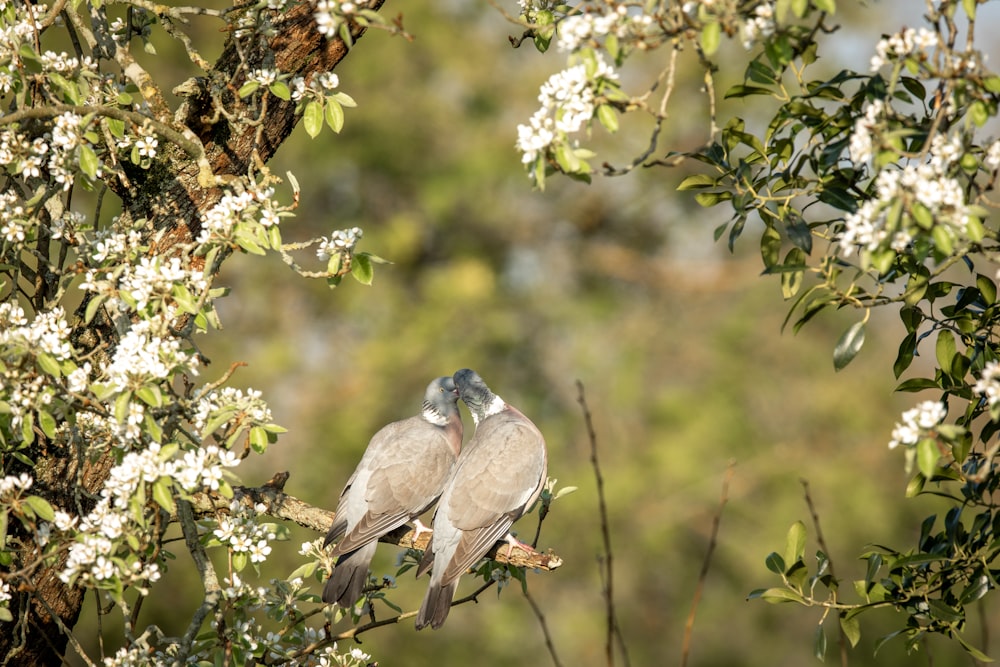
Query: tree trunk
[[172, 199]]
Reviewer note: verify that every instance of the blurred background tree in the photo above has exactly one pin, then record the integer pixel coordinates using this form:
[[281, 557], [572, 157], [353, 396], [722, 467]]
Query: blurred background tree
[[617, 284]]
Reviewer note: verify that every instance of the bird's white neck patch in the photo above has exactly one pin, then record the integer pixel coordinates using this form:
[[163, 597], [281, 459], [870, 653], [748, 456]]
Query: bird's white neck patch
[[496, 406], [433, 416]]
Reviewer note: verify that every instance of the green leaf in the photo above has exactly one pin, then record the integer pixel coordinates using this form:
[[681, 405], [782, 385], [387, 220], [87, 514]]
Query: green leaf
[[334, 114], [851, 628], [828, 6], [711, 35], [849, 345], [345, 100], [88, 160], [151, 395], [121, 406], [248, 88], [945, 349], [795, 543], [47, 423], [41, 508], [240, 560], [819, 643], [48, 364], [775, 563], [927, 456], [259, 439], [972, 650], [607, 117], [361, 269], [92, 305], [280, 90], [163, 496], [987, 288], [696, 181], [312, 118], [775, 595], [153, 428], [917, 384]]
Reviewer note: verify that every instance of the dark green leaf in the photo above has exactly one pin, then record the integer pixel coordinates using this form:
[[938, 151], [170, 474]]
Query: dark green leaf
[[905, 355], [819, 643], [696, 181], [918, 384], [775, 595], [775, 563], [849, 345]]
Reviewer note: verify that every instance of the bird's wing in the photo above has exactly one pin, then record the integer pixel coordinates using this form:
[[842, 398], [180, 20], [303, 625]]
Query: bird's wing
[[500, 475], [405, 479], [473, 545]]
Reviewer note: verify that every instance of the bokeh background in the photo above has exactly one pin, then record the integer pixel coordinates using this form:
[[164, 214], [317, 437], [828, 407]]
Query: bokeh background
[[619, 285]]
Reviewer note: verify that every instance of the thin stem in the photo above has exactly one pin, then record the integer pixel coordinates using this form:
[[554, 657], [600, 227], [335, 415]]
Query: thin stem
[[607, 558], [706, 563]]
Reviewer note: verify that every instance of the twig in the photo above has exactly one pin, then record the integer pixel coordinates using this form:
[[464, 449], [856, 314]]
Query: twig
[[841, 637], [607, 559], [208, 577], [545, 628], [703, 575]]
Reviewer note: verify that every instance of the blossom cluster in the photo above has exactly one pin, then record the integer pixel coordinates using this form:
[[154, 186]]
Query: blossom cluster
[[340, 242], [988, 384], [94, 557], [254, 204], [754, 26], [580, 30], [927, 188], [13, 486], [760, 25], [46, 336], [903, 44], [54, 151], [247, 406], [917, 423], [331, 14], [241, 533], [320, 84], [567, 105]]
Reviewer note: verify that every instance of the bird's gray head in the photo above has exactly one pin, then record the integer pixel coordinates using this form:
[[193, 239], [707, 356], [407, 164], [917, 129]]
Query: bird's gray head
[[440, 401], [481, 401]]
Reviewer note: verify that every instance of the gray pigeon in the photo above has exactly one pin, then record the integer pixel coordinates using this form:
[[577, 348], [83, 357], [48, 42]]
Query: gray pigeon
[[497, 478], [400, 476]]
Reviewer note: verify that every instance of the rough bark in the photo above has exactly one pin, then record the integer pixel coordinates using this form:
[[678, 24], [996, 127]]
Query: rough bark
[[171, 198]]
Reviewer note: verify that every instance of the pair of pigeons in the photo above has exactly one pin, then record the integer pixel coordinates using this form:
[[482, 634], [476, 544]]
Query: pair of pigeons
[[408, 465]]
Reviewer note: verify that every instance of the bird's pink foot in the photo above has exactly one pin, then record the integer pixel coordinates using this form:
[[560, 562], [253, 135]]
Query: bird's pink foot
[[514, 542], [418, 528]]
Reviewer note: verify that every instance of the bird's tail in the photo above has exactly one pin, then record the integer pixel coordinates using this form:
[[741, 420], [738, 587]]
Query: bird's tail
[[436, 605], [347, 583], [427, 560]]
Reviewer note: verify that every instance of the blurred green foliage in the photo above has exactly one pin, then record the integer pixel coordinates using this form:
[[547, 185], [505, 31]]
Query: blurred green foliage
[[618, 285]]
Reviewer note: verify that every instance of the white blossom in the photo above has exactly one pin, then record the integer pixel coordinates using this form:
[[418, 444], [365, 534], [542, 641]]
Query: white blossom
[[916, 423]]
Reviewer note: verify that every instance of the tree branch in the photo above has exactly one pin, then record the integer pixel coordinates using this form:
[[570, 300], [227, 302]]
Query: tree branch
[[280, 505]]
